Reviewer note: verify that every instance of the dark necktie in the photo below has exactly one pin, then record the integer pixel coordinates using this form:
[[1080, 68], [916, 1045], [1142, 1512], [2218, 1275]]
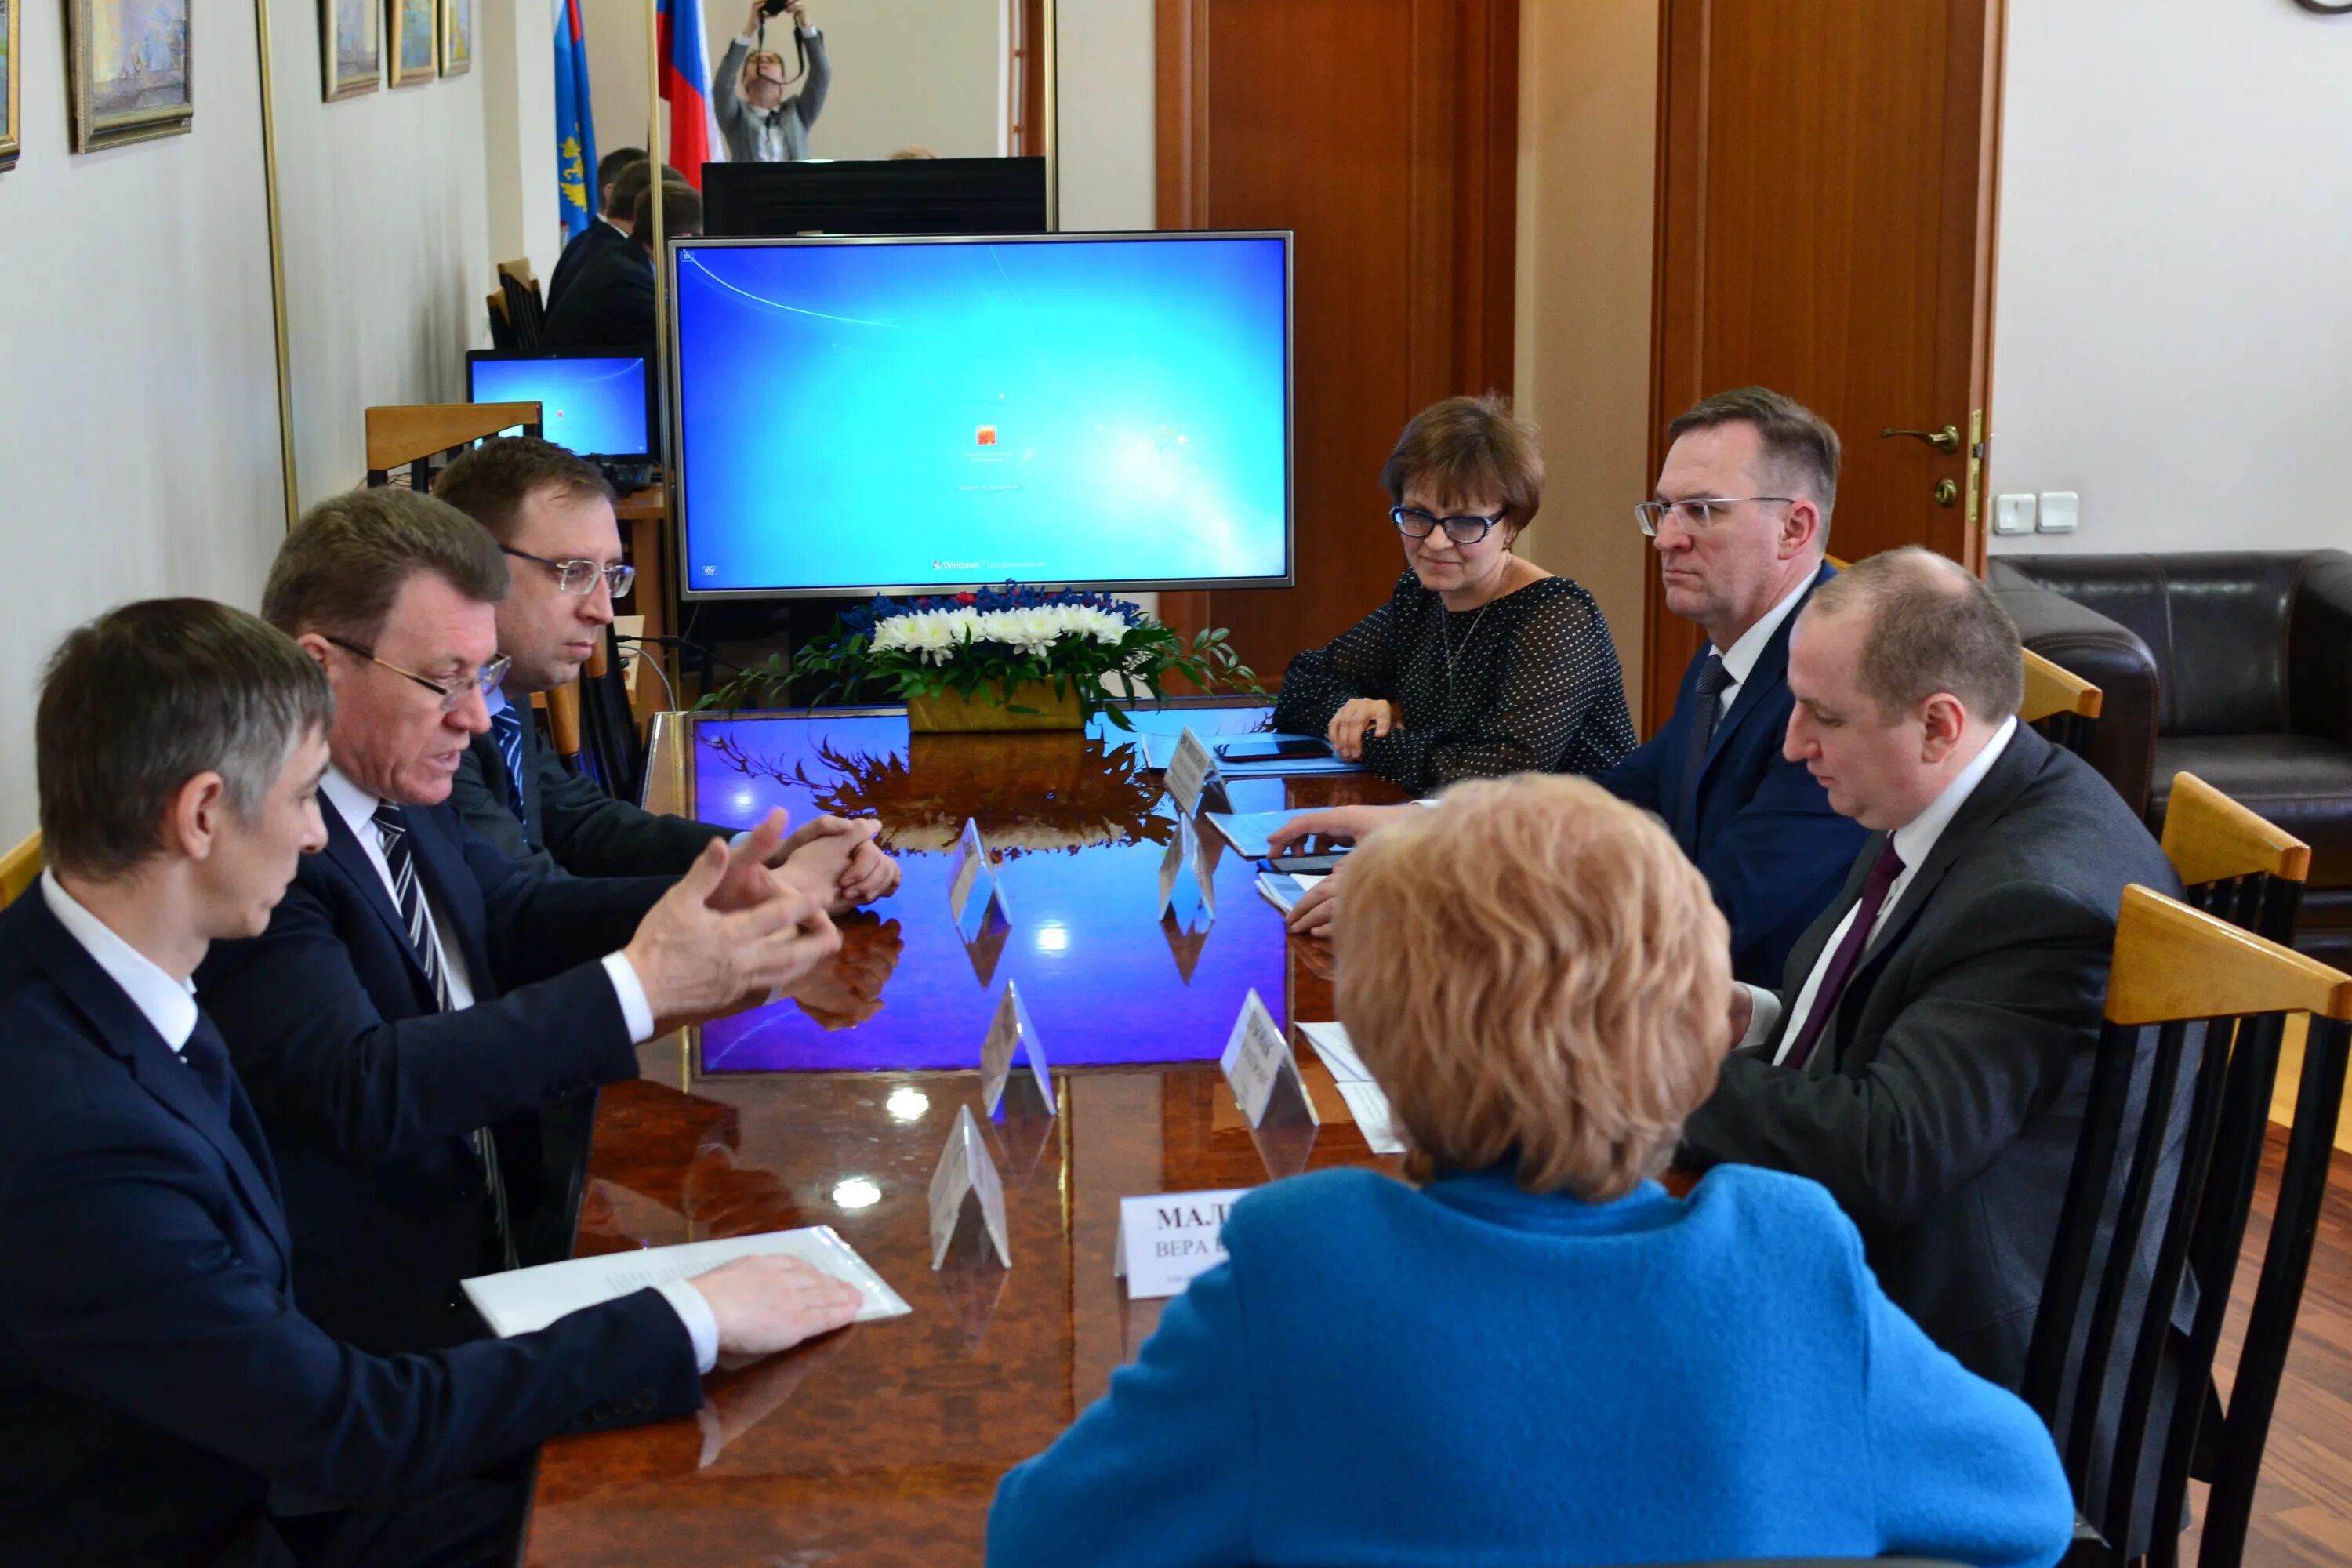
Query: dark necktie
[[408, 894], [506, 728], [208, 1057], [1826, 995], [1714, 680]]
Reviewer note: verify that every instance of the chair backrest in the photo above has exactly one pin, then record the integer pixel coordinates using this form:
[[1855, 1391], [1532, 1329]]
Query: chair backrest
[[20, 868], [2233, 863], [2176, 967], [612, 752], [411, 435], [525, 310], [502, 333], [2063, 705]]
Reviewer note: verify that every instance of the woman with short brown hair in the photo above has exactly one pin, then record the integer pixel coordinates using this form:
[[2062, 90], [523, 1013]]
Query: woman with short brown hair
[[1481, 662], [1533, 1354]]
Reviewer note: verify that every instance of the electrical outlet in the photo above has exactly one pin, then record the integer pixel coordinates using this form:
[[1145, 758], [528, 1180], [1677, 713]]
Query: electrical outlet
[[2012, 514], [2058, 509]]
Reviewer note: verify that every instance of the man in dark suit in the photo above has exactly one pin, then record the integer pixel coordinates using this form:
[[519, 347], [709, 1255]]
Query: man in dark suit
[[1739, 523], [415, 998], [157, 1377], [610, 305], [551, 515], [1928, 1052], [610, 228]]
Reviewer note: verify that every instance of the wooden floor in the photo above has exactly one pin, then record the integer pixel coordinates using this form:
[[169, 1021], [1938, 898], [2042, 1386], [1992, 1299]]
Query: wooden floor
[[2303, 1510]]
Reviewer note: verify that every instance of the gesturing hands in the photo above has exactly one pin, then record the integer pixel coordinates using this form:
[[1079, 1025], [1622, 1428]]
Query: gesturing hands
[[694, 958], [1356, 716], [835, 861]]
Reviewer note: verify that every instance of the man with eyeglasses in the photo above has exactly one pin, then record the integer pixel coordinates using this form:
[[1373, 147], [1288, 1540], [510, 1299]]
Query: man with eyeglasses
[[415, 999], [551, 515], [1739, 519]]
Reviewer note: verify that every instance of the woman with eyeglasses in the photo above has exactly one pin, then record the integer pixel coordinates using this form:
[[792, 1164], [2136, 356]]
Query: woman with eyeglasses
[[1481, 662]]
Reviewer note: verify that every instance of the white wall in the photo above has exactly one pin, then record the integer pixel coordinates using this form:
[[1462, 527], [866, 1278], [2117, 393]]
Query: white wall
[[514, 55], [138, 380], [2173, 333], [387, 237], [907, 73], [1588, 109], [1107, 129]]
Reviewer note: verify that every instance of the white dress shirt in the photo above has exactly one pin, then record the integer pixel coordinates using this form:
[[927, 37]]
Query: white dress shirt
[[357, 808], [1914, 841], [1739, 658], [167, 1004]]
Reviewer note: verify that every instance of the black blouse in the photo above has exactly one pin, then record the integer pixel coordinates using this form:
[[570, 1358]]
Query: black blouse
[[1532, 685]]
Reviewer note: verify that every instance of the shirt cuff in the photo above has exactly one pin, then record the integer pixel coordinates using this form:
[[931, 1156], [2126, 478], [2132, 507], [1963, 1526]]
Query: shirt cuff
[[701, 1323], [1765, 1014], [745, 40], [636, 1012]]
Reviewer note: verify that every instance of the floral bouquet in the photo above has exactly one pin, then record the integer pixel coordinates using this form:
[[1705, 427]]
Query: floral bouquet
[[1089, 647]]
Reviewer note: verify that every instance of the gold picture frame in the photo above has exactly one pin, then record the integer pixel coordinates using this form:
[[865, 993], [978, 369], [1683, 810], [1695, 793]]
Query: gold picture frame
[[351, 47], [412, 42], [120, 86], [456, 36], [12, 96]]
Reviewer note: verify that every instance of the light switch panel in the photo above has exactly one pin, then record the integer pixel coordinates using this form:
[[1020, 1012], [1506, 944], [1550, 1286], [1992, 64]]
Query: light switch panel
[[2057, 513], [2012, 514]]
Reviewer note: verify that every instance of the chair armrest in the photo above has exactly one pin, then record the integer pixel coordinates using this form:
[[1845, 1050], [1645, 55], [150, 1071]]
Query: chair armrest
[[2319, 647]]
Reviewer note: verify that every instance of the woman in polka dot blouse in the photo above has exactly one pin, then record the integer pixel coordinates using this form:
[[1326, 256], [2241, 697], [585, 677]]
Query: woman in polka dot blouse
[[1481, 662]]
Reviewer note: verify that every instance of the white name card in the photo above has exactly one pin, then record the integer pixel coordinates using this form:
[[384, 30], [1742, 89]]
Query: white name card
[[1011, 1032], [1263, 1070], [972, 887], [966, 1173], [1165, 1240], [1194, 780], [1188, 874]]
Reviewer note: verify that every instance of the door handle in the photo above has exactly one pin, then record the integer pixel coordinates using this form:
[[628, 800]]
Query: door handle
[[1947, 439]]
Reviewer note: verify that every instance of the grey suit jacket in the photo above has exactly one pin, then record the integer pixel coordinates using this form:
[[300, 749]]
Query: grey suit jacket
[[1944, 1103], [570, 827]]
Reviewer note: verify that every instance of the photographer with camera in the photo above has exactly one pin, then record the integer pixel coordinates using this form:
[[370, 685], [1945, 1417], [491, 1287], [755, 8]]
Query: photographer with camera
[[747, 91]]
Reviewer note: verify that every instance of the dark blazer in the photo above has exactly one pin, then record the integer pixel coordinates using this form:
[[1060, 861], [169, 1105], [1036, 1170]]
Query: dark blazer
[[570, 827], [370, 1095], [585, 247], [155, 1376], [609, 306], [1753, 821], [1943, 1104]]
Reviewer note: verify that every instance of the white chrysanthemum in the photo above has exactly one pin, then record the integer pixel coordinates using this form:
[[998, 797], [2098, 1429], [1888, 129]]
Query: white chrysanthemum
[[932, 635]]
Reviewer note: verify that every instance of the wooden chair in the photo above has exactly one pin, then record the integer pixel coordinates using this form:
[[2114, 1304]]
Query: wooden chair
[[2234, 864], [20, 868], [2060, 703], [502, 333], [526, 305], [411, 435], [2176, 967]]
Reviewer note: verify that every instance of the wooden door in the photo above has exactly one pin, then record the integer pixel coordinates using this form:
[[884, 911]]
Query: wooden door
[[1825, 191], [1384, 133]]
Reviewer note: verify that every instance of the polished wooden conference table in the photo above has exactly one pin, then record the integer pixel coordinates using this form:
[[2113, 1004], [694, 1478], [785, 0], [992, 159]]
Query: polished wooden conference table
[[883, 1444]]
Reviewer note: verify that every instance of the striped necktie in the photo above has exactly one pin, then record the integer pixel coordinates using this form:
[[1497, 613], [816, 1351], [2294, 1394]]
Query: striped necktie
[[408, 894], [506, 728]]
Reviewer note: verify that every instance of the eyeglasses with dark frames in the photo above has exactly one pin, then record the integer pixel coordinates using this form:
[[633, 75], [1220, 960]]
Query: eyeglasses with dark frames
[[579, 576], [1415, 523], [1696, 515], [486, 680]]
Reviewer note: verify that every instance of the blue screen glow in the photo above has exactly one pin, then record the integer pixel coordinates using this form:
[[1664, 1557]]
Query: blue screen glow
[[908, 414], [595, 408]]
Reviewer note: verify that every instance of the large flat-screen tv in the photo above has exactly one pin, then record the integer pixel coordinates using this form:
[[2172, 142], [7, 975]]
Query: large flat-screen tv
[[904, 414]]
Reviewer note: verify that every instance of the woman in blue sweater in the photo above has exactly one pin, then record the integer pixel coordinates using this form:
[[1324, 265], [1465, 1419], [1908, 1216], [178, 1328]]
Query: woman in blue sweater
[[1533, 1355]]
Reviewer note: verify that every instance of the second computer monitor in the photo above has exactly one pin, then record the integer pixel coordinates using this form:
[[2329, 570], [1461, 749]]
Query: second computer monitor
[[596, 403]]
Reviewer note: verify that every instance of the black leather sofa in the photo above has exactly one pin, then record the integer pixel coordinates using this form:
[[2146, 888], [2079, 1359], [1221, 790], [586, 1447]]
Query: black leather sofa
[[2235, 666]]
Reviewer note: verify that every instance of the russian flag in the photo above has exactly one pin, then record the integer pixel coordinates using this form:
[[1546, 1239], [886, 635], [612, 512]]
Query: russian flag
[[686, 87], [576, 124]]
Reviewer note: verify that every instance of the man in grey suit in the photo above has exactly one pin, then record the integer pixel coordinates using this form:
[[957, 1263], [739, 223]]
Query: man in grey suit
[[552, 514], [1927, 1056], [747, 92]]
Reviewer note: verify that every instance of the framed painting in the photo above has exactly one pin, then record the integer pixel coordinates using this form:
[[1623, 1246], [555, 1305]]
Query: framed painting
[[412, 42], [456, 36], [127, 71], [350, 43], [10, 137]]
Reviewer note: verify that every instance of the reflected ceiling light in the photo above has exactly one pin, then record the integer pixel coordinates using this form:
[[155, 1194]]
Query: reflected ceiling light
[[1053, 938], [856, 1192], [907, 1104]]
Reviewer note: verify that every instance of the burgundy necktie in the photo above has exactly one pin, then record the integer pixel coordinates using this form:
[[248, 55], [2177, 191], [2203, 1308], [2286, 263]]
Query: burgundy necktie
[[1883, 872]]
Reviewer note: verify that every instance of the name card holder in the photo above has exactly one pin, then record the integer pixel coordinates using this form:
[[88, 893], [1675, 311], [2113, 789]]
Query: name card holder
[[1188, 876], [1263, 1071], [975, 897], [1166, 1239], [1010, 1033], [966, 1178], [1195, 782]]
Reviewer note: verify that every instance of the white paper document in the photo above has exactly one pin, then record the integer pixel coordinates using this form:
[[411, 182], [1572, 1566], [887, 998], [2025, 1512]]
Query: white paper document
[[1370, 1106], [523, 1301], [1339, 1053]]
